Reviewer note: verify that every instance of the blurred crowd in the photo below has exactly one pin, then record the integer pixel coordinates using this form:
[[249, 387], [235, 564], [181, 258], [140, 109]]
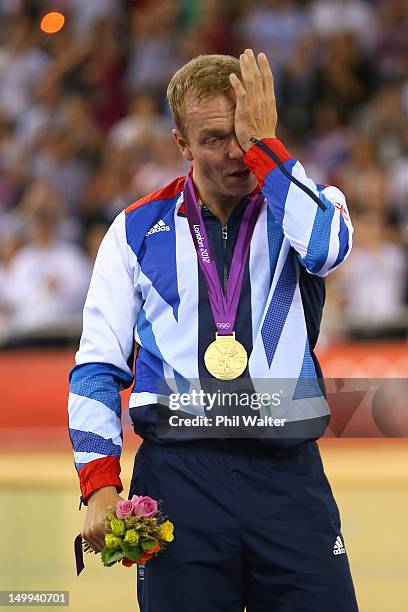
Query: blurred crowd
[[85, 130]]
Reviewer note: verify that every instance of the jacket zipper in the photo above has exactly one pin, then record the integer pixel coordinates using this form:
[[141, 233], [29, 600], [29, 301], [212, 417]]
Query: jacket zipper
[[224, 231]]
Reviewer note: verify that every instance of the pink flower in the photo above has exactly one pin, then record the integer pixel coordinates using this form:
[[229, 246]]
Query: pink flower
[[135, 498], [143, 505], [124, 508]]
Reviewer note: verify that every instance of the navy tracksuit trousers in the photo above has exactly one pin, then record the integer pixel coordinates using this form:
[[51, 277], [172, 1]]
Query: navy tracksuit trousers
[[253, 530]]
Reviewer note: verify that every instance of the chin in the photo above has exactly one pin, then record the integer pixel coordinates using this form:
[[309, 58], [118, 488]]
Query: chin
[[244, 188]]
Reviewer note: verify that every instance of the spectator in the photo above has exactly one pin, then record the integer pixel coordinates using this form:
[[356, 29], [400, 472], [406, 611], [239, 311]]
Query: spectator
[[78, 120], [374, 278], [110, 189], [330, 144], [86, 14], [13, 168], [272, 27], [345, 77], [44, 114], [21, 61], [94, 232], [103, 73], [385, 119], [45, 284], [165, 165], [298, 87], [9, 245], [392, 38], [362, 177], [397, 186], [354, 16], [212, 28], [152, 57], [56, 163], [141, 124]]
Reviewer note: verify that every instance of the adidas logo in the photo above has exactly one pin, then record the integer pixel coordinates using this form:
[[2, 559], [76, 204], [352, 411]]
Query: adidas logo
[[160, 226], [338, 547]]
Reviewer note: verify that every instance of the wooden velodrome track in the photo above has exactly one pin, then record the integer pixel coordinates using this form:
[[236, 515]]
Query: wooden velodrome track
[[39, 518]]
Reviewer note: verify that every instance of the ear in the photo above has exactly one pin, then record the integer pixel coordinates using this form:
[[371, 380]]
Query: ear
[[182, 144]]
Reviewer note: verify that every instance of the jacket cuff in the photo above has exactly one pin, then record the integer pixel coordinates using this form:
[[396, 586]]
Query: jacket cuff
[[260, 157], [99, 473]]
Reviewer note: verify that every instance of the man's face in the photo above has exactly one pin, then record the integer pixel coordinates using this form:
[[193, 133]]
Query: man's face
[[211, 144]]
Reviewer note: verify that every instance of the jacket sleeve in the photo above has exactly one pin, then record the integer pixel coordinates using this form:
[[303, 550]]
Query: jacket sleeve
[[314, 218], [103, 365]]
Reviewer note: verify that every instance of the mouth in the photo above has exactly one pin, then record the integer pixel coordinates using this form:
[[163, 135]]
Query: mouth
[[241, 174]]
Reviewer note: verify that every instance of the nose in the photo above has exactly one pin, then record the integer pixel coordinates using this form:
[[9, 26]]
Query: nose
[[234, 149]]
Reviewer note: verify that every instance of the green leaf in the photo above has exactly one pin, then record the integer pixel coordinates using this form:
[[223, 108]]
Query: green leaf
[[133, 553], [109, 557], [136, 553], [125, 546], [147, 544]]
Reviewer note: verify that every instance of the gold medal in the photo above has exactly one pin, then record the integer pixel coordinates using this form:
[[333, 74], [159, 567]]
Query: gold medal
[[225, 358]]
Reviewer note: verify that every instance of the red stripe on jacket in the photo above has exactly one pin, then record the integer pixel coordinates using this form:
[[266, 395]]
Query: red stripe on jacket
[[165, 193]]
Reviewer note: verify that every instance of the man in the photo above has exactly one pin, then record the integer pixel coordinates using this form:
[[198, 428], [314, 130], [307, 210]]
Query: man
[[256, 525]]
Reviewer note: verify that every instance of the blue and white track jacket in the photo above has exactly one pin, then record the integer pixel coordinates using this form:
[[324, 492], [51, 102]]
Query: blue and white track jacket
[[147, 288]]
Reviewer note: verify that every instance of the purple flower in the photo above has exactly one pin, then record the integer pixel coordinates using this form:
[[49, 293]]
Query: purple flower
[[143, 505], [124, 508]]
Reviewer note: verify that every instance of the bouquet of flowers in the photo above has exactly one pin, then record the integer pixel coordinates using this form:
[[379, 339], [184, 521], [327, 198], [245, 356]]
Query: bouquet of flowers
[[136, 530]]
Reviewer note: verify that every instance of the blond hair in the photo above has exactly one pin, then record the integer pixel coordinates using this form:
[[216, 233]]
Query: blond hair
[[203, 77]]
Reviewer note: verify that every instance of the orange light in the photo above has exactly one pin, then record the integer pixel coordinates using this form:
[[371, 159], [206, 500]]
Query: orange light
[[52, 22]]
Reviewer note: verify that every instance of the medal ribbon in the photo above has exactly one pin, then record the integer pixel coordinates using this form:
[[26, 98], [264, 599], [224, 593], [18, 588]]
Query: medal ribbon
[[224, 306]]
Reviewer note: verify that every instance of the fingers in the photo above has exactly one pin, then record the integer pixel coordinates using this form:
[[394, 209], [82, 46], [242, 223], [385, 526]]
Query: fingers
[[254, 72], [237, 86], [255, 112], [257, 77], [93, 540], [94, 532], [250, 74], [267, 76], [99, 543]]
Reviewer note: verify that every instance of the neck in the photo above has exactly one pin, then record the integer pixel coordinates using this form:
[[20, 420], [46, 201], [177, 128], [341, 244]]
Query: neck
[[220, 205], [221, 210]]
